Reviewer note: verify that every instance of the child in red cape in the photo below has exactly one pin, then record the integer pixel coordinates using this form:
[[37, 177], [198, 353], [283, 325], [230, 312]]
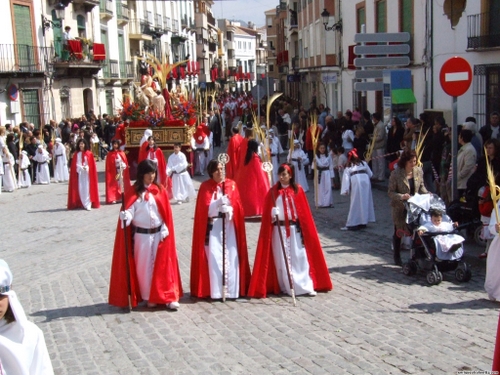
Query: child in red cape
[[113, 160]]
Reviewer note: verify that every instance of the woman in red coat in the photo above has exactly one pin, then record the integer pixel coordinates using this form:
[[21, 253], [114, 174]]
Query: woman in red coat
[[155, 154], [286, 209], [114, 159], [83, 191], [253, 180], [219, 203], [152, 257]]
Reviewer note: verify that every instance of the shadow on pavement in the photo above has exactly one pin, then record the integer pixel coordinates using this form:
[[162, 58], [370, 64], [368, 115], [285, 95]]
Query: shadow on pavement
[[84, 311], [438, 307]]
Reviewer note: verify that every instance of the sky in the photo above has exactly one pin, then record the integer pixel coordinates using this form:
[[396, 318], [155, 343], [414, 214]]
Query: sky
[[244, 10]]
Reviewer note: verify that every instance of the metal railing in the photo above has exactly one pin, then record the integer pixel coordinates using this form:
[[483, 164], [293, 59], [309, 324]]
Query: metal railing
[[480, 33], [210, 19], [159, 21], [149, 17], [122, 12], [126, 69], [139, 26], [167, 25], [106, 7], [110, 69], [175, 25], [25, 59]]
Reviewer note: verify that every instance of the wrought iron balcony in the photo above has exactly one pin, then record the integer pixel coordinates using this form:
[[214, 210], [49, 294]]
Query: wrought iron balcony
[[167, 25], [211, 19], [106, 9], [126, 70], [122, 13], [23, 60], [482, 31], [87, 4], [140, 29], [110, 69]]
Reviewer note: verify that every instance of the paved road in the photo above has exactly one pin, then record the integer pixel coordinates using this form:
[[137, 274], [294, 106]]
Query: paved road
[[376, 321]]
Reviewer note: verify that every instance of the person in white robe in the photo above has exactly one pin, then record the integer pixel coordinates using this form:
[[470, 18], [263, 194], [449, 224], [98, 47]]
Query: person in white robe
[[356, 182], [9, 178], [42, 157], [298, 158], [24, 180], [492, 280], [276, 149], [323, 164], [22, 345], [61, 162], [182, 185], [147, 133]]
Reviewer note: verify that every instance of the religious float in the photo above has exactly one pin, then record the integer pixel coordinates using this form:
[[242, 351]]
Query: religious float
[[171, 116]]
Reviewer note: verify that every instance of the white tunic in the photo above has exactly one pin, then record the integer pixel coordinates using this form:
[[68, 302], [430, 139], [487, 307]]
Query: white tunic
[[182, 186], [296, 254], [61, 163], [356, 181], [24, 180], [23, 350], [42, 169], [144, 214], [276, 149], [300, 175], [492, 280], [9, 179], [214, 254], [324, 198], [82, 168]]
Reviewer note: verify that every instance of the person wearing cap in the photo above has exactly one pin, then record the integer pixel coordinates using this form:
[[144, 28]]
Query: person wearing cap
[[42, 158], [61, 162], [298, 159], [24, 180], [356, 183], [152, 264], [22, 345], [287, 210], [218, 203], [83, 191], [116, 162]]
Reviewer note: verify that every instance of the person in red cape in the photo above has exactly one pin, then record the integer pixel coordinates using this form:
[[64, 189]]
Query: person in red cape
[[252, 178], [232, 151], [155, 154], [83, 191], [300, 240], [200, 144], [113, 160], [120, 134], [206, 260], [143, 145], [242, 151], [152, 258]]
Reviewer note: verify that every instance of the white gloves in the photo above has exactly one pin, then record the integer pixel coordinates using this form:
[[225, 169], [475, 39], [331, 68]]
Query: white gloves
[[164, 232], [275, 211], [169, 172], [126, 217], [224, 200], [228, 210]]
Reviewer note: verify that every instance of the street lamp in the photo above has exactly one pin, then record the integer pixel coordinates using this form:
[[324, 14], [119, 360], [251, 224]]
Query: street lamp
[[326, 18]]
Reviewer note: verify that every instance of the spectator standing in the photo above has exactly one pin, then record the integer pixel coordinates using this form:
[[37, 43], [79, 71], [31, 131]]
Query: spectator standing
[[378, 162]]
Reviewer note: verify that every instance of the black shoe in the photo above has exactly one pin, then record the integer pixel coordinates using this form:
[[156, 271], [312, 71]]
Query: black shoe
[[397, 260]]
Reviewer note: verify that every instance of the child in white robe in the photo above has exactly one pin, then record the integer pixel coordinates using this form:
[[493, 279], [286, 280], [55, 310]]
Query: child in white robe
[[61, 162], [323, 164], [182, 185], [24, 180], [22, 345], [298, 158], [276, 149], [42, 157], [9, 178]]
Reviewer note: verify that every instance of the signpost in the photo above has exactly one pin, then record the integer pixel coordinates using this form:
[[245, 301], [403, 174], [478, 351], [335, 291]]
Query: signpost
[[455, 78]]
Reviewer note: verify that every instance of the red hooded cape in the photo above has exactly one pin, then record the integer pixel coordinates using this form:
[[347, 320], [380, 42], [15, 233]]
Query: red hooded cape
[[166, 283], [162, 167], [253, 179], [120, 133], [73, 194], [113, 191], [242, 152], [143, 153], [200, 280], [232, 150], [264, 279]]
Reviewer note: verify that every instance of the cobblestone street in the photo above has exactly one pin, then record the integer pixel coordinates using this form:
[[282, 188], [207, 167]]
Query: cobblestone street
[[375, 321]]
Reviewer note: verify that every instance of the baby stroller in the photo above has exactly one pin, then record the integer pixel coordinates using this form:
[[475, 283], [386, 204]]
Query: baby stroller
[[426, 253]]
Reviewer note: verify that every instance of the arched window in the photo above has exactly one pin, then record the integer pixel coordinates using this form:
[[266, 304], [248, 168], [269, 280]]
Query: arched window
[[80, 21]]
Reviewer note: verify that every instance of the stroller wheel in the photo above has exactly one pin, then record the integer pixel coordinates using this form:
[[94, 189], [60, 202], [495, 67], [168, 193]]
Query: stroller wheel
[[410, 268], [477, 236], [433, 278], [463, 273], [440, 277]]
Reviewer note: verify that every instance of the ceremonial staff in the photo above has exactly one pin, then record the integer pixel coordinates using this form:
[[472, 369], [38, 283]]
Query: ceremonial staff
[[494, 188], [369, 152], [314, 139], [223, 159], [127, 265], [268, 167], [21, 146]]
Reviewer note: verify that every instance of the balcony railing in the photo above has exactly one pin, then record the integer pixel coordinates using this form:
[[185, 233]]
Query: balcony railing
[[149, 17], [21, 58], [210, 19], [158, 22], [175, 25], [106, 7], [110, 69], [480, 33], [122, 12], [140, 26], [126, 69], [167, 24]]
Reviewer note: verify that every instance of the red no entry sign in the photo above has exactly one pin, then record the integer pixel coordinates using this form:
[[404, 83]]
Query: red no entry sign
[[455, 76]]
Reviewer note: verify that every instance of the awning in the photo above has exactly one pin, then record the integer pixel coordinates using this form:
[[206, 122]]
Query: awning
[[403, 96]]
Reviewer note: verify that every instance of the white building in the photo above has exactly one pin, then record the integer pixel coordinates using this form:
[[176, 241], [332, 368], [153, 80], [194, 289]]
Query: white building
[[245, 44]]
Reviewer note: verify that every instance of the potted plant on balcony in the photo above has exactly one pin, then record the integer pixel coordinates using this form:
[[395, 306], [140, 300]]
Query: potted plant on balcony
[[87, 46]]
